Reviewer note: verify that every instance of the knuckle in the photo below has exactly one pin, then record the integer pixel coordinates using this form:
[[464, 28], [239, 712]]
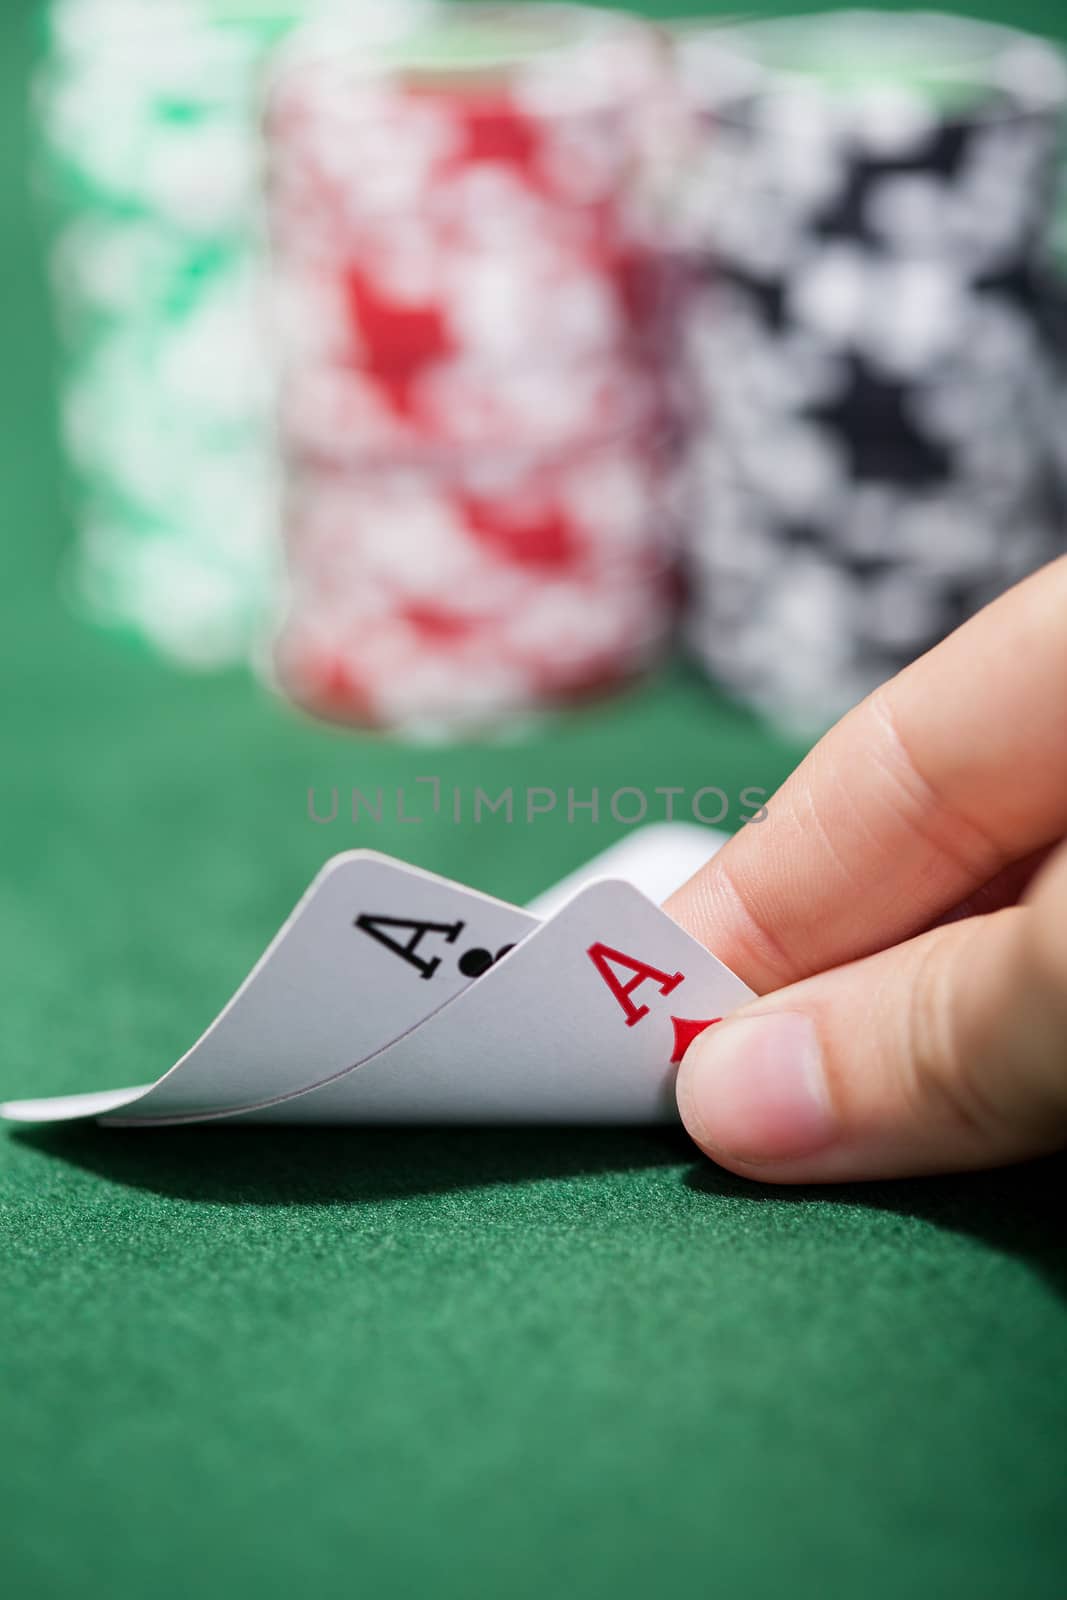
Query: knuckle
[[763, 953], [932, 815], [943, 1082]]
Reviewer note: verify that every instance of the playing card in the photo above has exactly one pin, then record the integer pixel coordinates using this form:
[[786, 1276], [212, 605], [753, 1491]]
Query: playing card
[[374, 946], [394, 995], [656, 859], [584, 1021]]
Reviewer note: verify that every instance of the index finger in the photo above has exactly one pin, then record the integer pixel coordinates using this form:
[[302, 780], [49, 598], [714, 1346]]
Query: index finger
[[944, 776]]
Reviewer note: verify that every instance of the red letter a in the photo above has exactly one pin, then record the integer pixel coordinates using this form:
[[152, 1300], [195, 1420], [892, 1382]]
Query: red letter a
[[604, 959]]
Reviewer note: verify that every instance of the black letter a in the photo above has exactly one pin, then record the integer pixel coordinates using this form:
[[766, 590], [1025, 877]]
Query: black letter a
[[409, 952]]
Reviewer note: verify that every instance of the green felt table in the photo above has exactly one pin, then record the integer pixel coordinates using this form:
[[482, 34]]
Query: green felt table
[[450, 1362]]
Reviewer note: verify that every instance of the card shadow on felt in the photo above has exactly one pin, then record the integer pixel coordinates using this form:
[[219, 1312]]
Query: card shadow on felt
[[1016, 1211], [259, 1166]]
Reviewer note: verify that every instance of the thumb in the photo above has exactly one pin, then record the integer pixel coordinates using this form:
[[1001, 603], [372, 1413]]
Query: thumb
[[944, 1053]]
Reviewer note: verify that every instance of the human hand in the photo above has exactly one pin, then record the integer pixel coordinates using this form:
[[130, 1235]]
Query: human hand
[[902, 911]]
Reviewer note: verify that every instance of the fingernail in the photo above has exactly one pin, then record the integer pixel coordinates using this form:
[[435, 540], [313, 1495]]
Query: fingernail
[[754, 1089]]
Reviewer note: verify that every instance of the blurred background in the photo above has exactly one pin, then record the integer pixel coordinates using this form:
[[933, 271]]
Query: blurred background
[[447, 363], [504, 394]]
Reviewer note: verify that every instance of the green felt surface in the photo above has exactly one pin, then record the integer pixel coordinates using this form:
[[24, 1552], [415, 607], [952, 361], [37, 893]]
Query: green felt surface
[[447, 1363]]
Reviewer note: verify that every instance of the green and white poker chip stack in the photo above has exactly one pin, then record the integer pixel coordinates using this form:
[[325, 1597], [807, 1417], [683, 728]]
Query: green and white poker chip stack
[[148, 114]]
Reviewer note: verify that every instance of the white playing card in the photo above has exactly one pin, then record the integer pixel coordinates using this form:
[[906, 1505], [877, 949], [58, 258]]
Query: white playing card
[[583, 1022], [656, 859], [374, 946]]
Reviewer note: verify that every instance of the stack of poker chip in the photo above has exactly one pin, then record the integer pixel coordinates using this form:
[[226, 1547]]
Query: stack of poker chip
[[149, 129], [865, 344], [467, 300]]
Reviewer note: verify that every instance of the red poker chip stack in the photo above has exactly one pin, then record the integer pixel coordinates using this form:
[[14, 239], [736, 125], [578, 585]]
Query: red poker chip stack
[[468, 300]]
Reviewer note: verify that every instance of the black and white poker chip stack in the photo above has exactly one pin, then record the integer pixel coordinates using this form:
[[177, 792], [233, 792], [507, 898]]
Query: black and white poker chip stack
[[866, 344]]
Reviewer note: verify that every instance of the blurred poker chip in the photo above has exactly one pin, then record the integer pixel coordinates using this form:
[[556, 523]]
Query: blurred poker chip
[[865, 343], [469, 194], [454, 595], [335, 413], [147, 118], [467, 294]]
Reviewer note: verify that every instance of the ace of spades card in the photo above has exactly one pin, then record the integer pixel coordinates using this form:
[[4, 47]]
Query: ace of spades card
[[394, 995]]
